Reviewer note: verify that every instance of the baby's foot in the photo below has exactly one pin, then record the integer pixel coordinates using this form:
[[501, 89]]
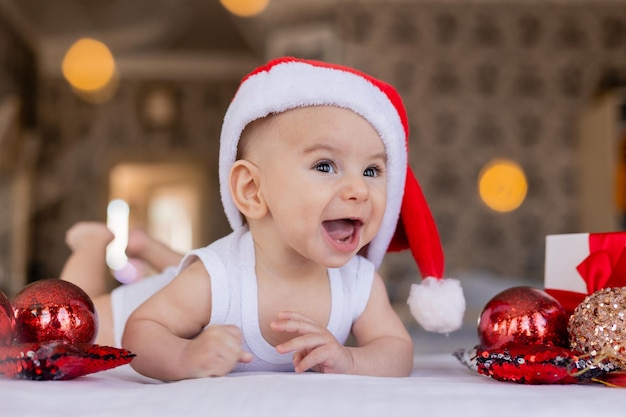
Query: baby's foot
[[138, 241], [87, 233]]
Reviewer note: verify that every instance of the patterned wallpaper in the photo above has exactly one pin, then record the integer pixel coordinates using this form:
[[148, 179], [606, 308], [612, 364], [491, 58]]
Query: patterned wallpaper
[[82, 142], [17, 69], [479, 80], [483, 81]]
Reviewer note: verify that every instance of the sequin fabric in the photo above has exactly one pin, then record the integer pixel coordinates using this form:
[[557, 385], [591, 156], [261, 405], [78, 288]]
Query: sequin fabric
[[598, 326]]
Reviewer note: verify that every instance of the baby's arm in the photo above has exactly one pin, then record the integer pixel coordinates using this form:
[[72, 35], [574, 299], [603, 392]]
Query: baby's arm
[[385, 348], [167, 332]]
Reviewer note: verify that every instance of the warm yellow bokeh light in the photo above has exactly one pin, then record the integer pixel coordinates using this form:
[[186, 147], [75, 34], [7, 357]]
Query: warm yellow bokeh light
[[245, 8], [88, 65], [101, 95], [502, 185]]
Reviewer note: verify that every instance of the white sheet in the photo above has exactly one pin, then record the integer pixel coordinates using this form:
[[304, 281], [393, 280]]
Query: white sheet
[[439, 386]]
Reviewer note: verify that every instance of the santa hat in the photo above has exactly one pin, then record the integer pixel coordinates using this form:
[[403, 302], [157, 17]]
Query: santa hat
[[287, 83]]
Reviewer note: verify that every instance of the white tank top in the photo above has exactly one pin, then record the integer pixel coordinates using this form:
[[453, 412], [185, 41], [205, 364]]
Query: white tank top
[[230, 262]]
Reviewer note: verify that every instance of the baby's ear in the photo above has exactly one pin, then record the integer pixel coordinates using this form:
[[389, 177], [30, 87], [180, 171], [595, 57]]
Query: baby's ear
[[244, 184]]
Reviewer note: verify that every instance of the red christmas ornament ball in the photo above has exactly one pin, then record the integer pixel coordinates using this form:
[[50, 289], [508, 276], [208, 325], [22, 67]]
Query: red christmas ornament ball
[[522, 316], [52, 309], [6, 320]]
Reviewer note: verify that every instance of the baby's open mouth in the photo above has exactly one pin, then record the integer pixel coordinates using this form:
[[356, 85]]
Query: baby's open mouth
[[342, 230]]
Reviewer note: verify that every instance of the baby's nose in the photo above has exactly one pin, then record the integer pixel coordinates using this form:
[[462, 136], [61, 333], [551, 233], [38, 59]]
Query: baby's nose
[[356, 189]]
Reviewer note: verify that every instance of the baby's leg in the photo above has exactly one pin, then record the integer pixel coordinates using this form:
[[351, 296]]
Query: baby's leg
[[104, 309], [86, 266], [156, 254]]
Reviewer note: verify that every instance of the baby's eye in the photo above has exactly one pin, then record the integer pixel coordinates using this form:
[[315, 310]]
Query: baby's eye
[[324, 167], [371, 172]]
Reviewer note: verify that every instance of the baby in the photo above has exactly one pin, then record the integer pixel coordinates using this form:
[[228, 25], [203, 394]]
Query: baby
[[315, 184]]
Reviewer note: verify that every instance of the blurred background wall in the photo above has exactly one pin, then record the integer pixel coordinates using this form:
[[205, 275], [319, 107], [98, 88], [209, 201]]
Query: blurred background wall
[[536, 83]]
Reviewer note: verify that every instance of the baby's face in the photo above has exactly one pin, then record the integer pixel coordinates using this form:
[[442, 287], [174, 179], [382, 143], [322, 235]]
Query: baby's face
[[323, 180]]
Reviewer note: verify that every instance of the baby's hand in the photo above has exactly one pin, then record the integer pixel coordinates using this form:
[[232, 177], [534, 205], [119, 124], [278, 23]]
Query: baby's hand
[[316, 348], [215, 351]]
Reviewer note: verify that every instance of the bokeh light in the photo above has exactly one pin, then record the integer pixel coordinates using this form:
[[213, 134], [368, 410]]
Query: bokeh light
[[89, 67], [125, 270], [502, 185], [245, 8], [117, 221]]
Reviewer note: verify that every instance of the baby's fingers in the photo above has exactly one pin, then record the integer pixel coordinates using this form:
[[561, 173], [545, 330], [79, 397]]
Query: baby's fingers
[[216, 350], [245, 357], [295, 325], [332, 358], [292, 315], [306, 342]]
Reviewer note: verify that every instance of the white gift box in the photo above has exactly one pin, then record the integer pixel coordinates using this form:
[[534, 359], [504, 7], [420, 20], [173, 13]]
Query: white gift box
[[563, 254], [603, 254]]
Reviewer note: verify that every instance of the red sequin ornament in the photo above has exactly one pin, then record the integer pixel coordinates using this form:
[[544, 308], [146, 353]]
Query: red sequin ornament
[[539, 364], [522, 316], [59, 360], [52, 309], [52, 325], [6, 320]]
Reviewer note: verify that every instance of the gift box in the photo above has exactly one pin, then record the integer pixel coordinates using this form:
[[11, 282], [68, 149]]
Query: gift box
[[579, 264]]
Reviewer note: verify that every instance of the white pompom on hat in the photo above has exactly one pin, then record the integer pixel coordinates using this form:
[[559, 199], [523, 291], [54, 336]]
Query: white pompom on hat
[[288, 83]]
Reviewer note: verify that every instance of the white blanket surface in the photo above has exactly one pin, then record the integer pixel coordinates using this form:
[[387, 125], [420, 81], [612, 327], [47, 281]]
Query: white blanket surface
[[438, 386]]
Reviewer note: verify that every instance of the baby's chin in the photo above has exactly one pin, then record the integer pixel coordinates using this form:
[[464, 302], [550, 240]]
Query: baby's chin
[[339, 260]]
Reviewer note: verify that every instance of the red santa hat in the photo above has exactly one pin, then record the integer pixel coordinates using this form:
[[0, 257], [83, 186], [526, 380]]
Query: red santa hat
[[287, 83]]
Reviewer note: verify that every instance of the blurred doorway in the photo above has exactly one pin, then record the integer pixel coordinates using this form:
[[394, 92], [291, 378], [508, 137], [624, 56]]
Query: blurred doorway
[[162, 198], [602, 191]]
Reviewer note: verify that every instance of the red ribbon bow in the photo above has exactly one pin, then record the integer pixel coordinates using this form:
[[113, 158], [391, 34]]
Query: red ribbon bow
[[605, 267]]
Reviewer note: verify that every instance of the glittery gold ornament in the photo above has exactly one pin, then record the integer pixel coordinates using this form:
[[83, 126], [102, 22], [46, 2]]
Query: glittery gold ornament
[[598, 326]]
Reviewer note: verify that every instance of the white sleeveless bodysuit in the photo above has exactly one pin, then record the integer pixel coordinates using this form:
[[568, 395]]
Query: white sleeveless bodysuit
[[230, 263]]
